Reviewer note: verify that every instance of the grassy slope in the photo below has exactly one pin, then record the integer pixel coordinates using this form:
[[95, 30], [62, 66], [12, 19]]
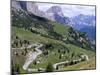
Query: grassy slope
[[91, 64], [78, 49], [55, 58], [60, 28], [25, 34]]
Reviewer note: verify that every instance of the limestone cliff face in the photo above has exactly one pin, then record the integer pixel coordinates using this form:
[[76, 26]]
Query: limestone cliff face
[[27, 6], [15, 4], [55, 13], [33, 8]]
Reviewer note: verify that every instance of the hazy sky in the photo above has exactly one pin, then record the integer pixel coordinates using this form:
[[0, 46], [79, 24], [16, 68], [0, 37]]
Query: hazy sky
[[70, 10]]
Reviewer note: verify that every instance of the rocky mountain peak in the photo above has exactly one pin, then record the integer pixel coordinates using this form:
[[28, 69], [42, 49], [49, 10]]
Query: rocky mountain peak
[[28, 6], [32, 7], [54, 9]]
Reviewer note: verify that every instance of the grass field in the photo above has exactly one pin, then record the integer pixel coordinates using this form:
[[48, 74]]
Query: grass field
[[53, 56], [86, 65]]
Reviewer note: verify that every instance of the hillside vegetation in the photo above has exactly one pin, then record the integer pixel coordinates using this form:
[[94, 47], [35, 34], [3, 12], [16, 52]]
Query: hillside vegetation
[[60, 43]]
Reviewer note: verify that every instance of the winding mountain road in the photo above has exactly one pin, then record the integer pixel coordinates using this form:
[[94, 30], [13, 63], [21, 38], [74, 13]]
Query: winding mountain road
[[32, 55], [66, 62]]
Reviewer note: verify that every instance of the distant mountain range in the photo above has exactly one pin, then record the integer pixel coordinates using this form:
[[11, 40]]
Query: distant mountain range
[[83, 23], [81, 20]]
